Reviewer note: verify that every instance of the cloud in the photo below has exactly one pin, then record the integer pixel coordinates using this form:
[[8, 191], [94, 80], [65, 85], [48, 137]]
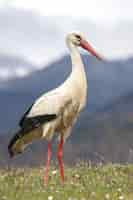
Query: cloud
[[102, 10], [41, 39]]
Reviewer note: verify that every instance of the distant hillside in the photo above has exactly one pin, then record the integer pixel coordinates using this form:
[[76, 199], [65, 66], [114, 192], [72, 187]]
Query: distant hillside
[[106, 81], [104, 131], [122, 104]]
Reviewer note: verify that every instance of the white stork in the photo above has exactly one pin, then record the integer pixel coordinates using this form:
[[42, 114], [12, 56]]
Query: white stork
[[57, 110]]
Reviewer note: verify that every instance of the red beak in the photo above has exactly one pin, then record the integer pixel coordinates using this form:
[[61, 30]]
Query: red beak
[[85, 45]]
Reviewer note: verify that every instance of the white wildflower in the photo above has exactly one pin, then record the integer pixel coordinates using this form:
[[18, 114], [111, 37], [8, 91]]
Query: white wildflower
[[119, 190], [121, 198], [4, 198], [71, 198], [107, 196], [93, 194], [77, 176], [54, 172], [50, 197]]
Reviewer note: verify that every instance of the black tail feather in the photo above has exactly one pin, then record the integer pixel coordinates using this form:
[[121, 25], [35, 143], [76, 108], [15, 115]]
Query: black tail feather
[[12, 142], [28, 125]]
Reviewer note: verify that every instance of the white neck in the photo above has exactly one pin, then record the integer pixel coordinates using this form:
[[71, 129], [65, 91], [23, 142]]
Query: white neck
[[75, 56], [78, 76], [77, 64]]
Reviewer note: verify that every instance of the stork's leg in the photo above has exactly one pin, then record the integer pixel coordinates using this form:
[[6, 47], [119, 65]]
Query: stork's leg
[[59, 155], [47, 164]]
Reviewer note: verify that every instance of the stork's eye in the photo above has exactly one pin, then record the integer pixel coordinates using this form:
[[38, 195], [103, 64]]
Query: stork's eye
[[78, 37]]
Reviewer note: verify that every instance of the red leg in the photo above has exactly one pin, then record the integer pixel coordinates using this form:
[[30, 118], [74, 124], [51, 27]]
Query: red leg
[[59, 155], [47, 164]]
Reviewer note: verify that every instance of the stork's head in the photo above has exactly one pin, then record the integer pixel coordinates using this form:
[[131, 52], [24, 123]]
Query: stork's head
[[77, 39]]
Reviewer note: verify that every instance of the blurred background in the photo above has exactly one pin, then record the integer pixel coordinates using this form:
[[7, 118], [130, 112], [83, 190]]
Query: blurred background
[[34, 58]]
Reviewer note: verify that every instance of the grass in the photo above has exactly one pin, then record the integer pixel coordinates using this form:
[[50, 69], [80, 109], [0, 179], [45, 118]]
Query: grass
[[83, 182]]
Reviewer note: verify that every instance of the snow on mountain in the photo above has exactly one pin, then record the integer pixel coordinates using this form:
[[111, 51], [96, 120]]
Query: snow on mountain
[[12, 67]]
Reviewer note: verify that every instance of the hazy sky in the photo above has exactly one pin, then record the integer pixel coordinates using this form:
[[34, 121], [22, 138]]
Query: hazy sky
[[26, 32], [97, 10]]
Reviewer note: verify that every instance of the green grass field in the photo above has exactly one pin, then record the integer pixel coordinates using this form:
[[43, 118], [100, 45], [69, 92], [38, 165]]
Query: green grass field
[[83, 182]]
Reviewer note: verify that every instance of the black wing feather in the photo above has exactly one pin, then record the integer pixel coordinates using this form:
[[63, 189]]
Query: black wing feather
[[24, 116], [35, 122]]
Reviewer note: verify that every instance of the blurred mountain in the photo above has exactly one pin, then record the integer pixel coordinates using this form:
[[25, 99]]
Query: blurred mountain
[[104, 130], [107, 81]]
